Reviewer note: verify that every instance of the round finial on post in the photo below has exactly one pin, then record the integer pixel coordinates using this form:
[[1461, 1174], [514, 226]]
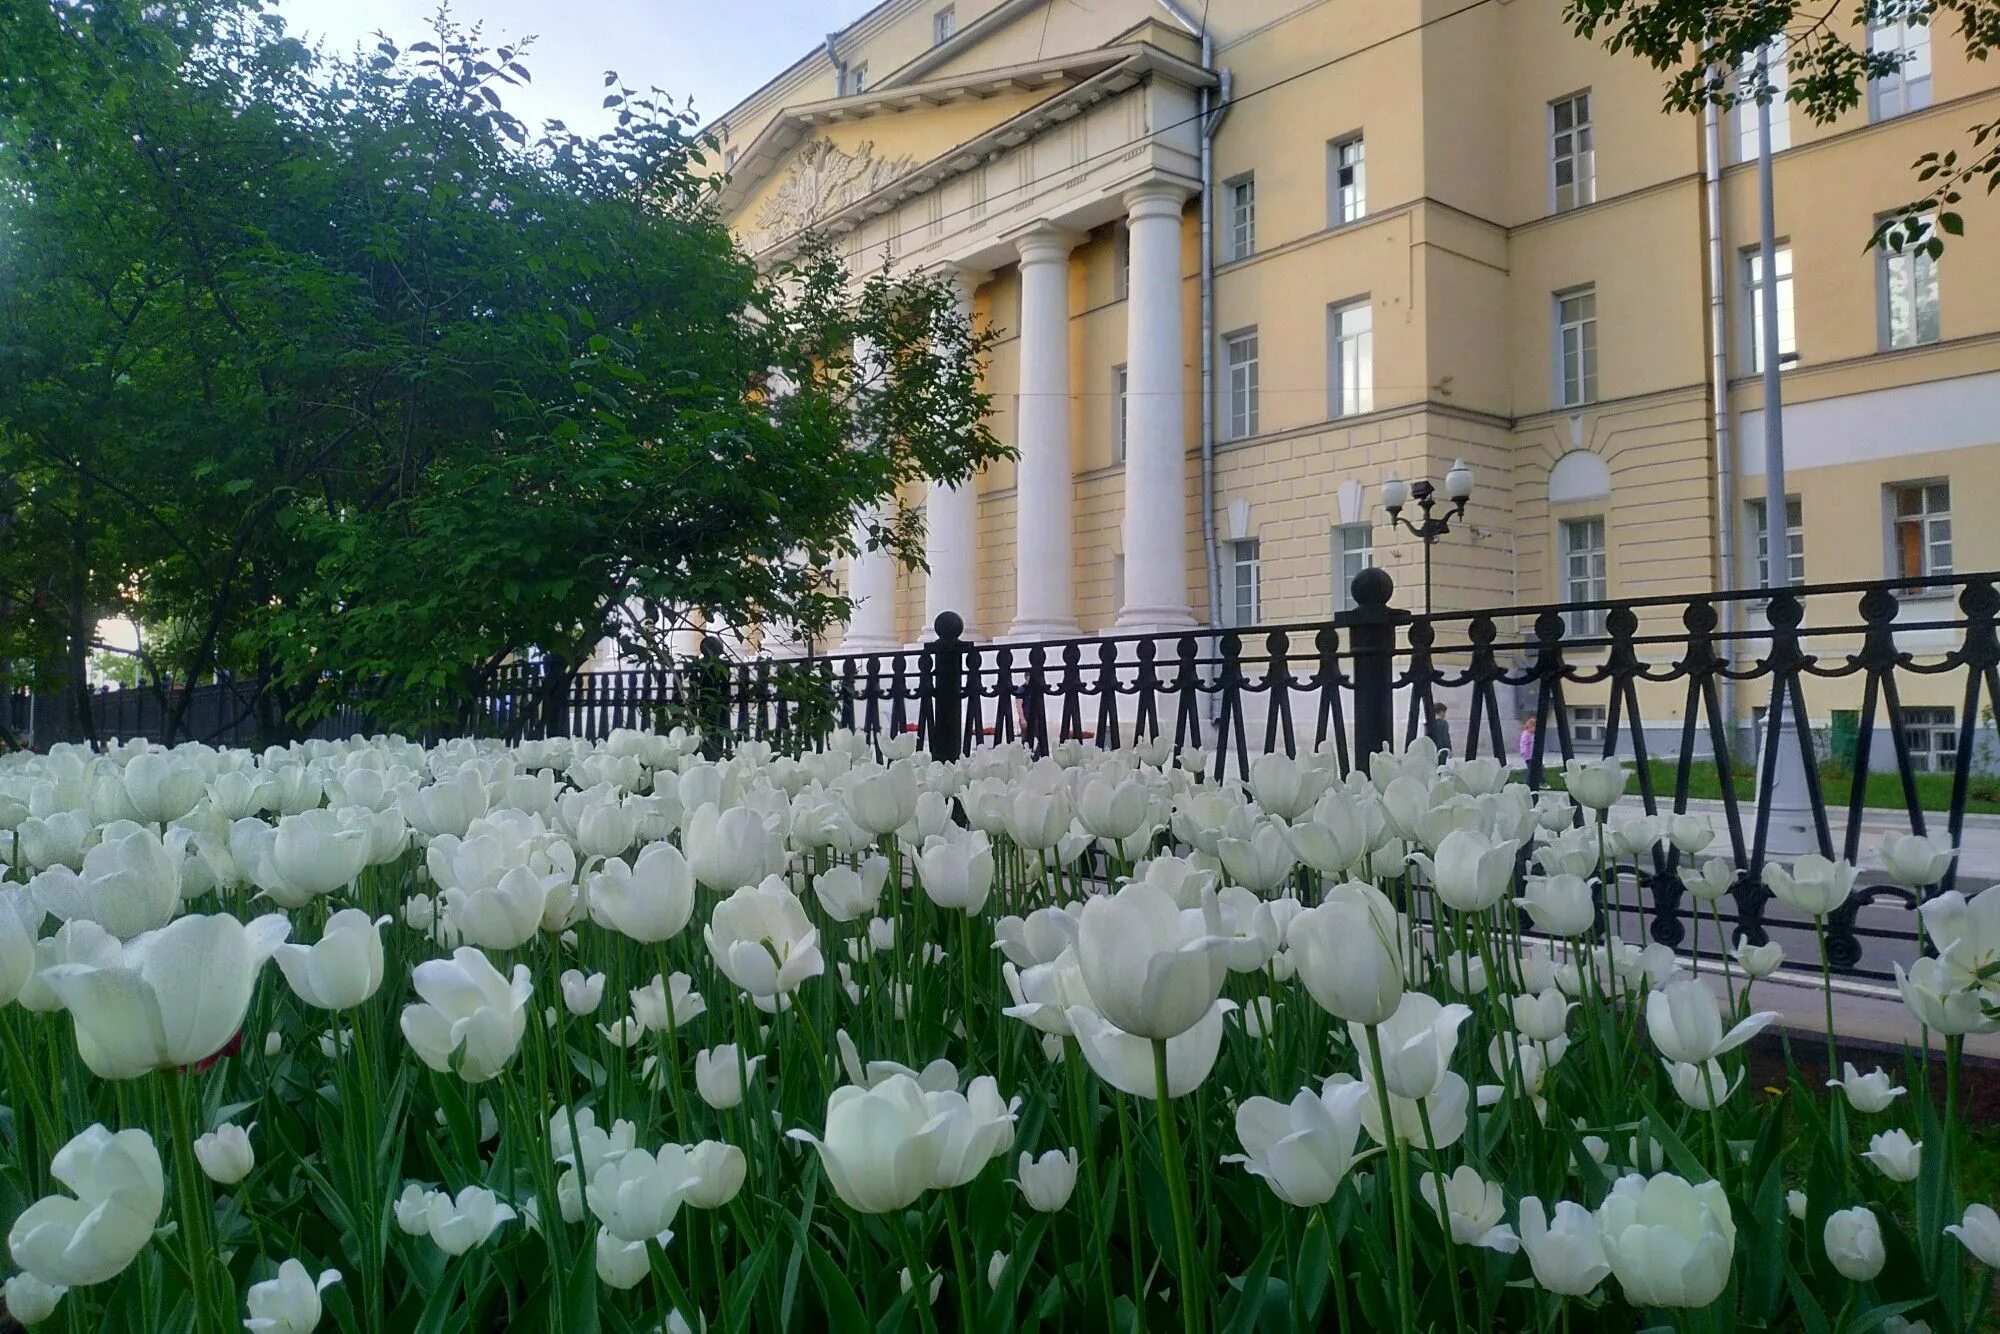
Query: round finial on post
[[1373, 587], [711, 647], [949, 625]]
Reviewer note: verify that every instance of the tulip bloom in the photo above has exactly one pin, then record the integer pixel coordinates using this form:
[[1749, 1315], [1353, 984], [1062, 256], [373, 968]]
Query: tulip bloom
[[762, 941], [649, 901], [1979, 1233], [1562, 905], [882, 1145], [1685, 1021], [1869, 1093], [1470, 871], [343, 969], [635, 1195], [289, 1303], [457, 1224], [1915, 861], [1813, 885], [130, 883], [92, 1234], [176, 996], [1940, 1001], [729, 850], [1669, 1241], [472, 1019], [956, 870], [718, 1078], [1349, 953], [1126, 1062], [1473, 1208], [29, 1300], [1152, 968], [1566, 1254], [848, 895], [1595, 784], [1895, 1156], [315, 853], [1966, 933], [1303, 1150], [225, 1154], [1417, 1044], [1853, 1239], [1047, 1182]]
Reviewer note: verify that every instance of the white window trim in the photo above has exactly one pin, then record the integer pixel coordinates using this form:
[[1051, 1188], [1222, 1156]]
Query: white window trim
[[1900, 80], [1587, 392], [1237, 564], [1753, 310], [1343, 582], [1893, 565], [1336, 382], [1335, 211], [1585, 625], [1253, 412], [1239, 247], [1121, 412], [1759, 517], [1549, 137], [1885, 327], [944, 24]]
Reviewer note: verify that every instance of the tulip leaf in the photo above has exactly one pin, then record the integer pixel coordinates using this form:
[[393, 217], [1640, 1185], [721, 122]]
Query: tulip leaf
[[1254, 1290]]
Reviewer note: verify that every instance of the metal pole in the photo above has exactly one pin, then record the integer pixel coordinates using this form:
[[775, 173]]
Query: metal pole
[[1789, 801]]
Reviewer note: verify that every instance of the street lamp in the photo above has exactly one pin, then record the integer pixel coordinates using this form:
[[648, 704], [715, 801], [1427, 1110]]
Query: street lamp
[[1457, 489]]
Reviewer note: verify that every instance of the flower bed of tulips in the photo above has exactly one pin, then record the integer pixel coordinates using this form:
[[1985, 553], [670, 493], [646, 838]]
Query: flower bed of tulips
[[570, 1036]]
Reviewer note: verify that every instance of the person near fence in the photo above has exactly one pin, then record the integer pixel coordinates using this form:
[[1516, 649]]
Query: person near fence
[[1528, 739], [1438, 729]]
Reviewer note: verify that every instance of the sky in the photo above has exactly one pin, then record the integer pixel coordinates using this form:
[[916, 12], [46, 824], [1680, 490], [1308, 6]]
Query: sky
[[715, 51]]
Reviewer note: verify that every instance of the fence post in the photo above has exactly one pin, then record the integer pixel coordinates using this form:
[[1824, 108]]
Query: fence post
[[1371, 640], [948, 687], [711, 703]]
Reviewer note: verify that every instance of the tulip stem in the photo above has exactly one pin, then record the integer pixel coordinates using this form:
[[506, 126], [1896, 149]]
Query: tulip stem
[[960, 1260], [1131, 1209], [197, 1220], [1400, 1187], [1826, 990], [1444, 1219], [1337, 1266], [920, 1279], [1175, 1170], [1082, 1111]]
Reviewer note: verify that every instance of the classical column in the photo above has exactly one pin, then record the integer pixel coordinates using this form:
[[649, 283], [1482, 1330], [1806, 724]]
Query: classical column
[[1044, 599], [1155, 596], [871, 574], [951, 522]]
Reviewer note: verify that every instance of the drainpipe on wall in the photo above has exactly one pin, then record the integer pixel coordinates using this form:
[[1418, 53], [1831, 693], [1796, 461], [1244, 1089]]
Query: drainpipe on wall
[[1214, 105], [1718, 356], [839, 65]]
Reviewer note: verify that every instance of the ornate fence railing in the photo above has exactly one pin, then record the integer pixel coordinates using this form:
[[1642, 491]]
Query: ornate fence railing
[[1885, 688]]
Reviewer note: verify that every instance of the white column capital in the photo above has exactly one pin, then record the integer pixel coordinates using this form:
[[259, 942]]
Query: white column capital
[[1155, 199], [1046, 243], [965, 281]]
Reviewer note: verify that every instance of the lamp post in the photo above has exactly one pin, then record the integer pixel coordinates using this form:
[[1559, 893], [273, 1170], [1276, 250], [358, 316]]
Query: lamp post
[[1457, 489]]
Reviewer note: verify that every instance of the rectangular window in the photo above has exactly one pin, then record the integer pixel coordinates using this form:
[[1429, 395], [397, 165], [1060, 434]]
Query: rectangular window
[[1242, 196], [1351, 376], [944, 23], [1353, 552], [1750, 112], [1753, 308], [1586, 573], [1576, 347], [857, 78], [1922, 529], [1239, 357], [1572, 159], [1246, 563], [1348, 171], [1121, 261], [1587, 723], [1795, 542], [1907, 289], [1932, 736], [1908, 87], [1121, 413]]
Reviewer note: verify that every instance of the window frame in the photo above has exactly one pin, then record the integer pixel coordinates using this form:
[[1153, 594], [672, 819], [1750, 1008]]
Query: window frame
[[1121, 260], [1758, 513], [1588, 355], [1748, 112], [857, 79], [944, 24], [1354, 192], [1937, 726], [1750, 260], [1343, 578], [1927, 521], [1923, 272], [1581, 157], [1247, 428], [1241, 233], [1246, 554], [1121, 411], [1595, 581], [1340, 401], [1910, 94]]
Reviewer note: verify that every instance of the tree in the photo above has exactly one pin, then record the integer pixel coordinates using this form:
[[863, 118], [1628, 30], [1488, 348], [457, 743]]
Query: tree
[[341, 369], [1711, 49]]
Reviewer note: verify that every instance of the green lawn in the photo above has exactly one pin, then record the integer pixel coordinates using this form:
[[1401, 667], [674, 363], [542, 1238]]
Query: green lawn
[[1885, 790]]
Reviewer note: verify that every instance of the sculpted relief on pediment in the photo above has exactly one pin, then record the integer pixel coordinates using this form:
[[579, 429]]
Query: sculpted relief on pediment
[[822, 180]]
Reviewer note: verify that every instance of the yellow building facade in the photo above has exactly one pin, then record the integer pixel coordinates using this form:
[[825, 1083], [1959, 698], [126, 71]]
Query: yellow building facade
[[1436, 230]]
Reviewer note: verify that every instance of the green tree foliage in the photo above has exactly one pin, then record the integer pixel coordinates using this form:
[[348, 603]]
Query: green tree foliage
[[1710, 47], [366, 386]]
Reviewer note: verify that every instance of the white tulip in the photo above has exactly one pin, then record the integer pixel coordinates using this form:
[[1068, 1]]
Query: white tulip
[[1152, 968], [763, 942], [29, 1300], [1303, 1150], [1869, 1093], [92, 1234], [1979, 1233], [1853, 1240], [225, 1154], [344, 969], [1047, 1182], [1895, 1155], [1566, 1253], [130, 883], [719, 1079], [649, 901], [582, 994], [1473, 1208], [289, 1303], [472, 1019], [459, 1223]]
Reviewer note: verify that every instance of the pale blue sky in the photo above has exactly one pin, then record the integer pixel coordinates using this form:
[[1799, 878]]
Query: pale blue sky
[[717, 51]]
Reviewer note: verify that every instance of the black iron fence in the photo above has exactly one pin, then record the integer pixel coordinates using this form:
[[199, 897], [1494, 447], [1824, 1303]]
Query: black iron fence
[[1869, 707]]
